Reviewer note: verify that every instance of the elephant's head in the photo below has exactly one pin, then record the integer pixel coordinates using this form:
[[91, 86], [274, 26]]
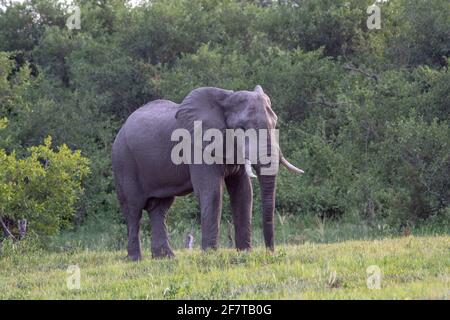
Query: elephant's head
[[225, 109]]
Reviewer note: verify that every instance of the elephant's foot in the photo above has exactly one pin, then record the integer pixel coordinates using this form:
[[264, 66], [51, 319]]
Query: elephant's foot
[[134, 257], [209, 249], [162, 252], [134, 254], [243, 244], [244, 248]]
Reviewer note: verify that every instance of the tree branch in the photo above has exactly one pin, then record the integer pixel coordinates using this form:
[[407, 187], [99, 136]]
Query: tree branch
[[321, 100], [6, 230], [351, 67]]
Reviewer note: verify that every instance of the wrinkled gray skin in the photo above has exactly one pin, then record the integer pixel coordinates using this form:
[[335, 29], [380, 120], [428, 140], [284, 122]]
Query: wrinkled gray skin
[[147, 179]]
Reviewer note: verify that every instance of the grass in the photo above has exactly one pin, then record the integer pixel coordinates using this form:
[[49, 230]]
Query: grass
[[412, 267], [102, 233]]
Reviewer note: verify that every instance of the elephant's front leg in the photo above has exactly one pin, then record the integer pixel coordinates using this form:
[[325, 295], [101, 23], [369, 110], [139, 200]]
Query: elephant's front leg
[[241, 199], [207, 181]]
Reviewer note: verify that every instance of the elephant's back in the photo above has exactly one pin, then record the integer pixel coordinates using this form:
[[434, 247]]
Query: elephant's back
[[147, 136], [153, 121], [153, 113]]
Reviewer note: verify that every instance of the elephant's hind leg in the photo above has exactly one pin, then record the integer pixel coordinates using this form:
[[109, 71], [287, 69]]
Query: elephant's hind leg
[[132, 212], [133, 215], [157, 209]]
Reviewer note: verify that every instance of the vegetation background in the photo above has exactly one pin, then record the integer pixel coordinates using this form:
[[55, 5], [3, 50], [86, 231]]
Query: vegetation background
[[365, 112]]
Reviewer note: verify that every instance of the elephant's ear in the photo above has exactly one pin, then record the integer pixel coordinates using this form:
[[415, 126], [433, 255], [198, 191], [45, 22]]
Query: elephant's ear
[[272, 116], [206, 105]]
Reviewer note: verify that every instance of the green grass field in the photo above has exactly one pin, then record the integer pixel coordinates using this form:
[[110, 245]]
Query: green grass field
[[411, 268]]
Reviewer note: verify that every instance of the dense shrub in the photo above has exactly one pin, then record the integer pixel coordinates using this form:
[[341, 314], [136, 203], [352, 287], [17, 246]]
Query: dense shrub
[[42, 188], [415, 159]]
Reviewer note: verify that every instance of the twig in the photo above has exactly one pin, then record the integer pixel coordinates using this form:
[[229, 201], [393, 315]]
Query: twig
[[189, 241], [326, 103], [351, 67], [22, 224], [5, 228], [230, 234]]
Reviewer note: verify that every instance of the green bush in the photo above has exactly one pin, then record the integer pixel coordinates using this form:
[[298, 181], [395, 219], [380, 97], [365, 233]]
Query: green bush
[[415, 159], [43, 187]]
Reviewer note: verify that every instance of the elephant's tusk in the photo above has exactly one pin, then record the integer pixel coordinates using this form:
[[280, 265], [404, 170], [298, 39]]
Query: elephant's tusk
[[248, 169], [248, 163], [290, 167]]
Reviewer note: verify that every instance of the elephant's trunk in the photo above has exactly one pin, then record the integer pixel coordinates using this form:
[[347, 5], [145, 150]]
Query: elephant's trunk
[[268, 186], [267, 173]]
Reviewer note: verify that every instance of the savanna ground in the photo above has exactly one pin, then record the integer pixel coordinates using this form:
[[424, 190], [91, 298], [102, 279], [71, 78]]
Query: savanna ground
[[413, 265]]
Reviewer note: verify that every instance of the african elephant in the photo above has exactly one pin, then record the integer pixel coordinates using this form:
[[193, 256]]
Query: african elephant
[[146, 177]]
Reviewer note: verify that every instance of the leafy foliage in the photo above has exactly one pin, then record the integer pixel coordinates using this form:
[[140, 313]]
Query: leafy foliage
[[42, 187], [364, 112]]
